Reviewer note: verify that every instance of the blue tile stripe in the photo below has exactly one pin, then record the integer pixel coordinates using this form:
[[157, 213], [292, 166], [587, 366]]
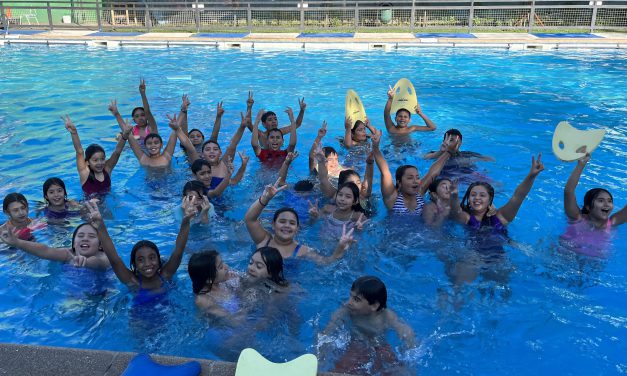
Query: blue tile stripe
[[558, 35]]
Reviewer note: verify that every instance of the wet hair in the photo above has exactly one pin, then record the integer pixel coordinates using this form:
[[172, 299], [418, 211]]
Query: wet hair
[[265, 116], [194, 186], [355, 190], [153, 135], [433, 187], [357, 123], [275, 130], [465, 204], [328, 150], [344, 175], [274, 264], [11, 198], [453, 132], [403, 109], [76, 232], [303, 186], [283, 210], [401, 171], [53, 181], [197, 165], [202, 270], [196, 130], [372, 289], [137, 109], [590, 196], [142, 244], [89, 152], [209, 142]]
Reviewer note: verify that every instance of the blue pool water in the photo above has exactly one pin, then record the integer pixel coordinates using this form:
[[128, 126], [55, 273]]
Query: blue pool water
[[556, 313]]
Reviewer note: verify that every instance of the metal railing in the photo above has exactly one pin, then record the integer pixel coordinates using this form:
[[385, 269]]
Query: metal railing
[[319, 16]]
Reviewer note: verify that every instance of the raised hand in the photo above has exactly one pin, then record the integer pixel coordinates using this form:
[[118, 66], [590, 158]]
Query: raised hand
[[205, 205], [585, 159], [94, 216], [290, 113], [271, 190], [229, 165], [319, 155], [348, 122], [361, 221], [347, 238], [417, 108], [259, 115], [113, 107], [323, 130], [243, 157], [302, 104], [390, 92], [367, 122], [189, 207], [127, 128], [142, 86], [185, 102], [68, 124], [536, 165], [451, 144], [313, 209], [291, 156], [220, 109], [174, 124], [454, 187], [250, 101], [376, 138]]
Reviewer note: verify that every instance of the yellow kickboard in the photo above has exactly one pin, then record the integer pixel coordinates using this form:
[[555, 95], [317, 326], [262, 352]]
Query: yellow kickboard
[[251, 363], [567, 139], [353, 108], [404, 97]]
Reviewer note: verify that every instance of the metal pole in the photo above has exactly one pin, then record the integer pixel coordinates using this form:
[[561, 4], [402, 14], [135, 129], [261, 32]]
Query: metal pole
[[249, 19], [147, 17], [49, 15], [471, 14], [197, 17], [413, 15], [593, 21], [356, 15], [532, 15], [98, 19], [302, 16]]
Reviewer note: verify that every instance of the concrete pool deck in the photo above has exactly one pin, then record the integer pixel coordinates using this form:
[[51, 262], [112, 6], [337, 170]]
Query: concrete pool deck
[[28, 360], [295, 41]]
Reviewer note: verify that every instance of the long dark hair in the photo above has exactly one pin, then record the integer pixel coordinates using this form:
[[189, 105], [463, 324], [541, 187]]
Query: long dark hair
[[590, 196], [141, 244], [203, 270], [355, 190], [54, 181], [89, 152], [274, 264]]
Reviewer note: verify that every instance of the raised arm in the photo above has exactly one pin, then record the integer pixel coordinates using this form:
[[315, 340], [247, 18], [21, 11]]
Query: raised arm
[[119, 147], [340, 250], [113, 108], [509, 210], [429, 125], [387, 119], [215, 132], [254, 227], [242, 169], [323, 175], [217, 191], [150, 120], [457, 214], [189, 209], [348, 135], [237, 137], [177, 129], [81, 164], [388, 190], [366, 185], [450, 146], [316, 144], [183, 113], [9, 236], [570, 199], [301, 113], [293, 138], [254, 140], [286, 166], [124, 274], [134, 144], [620, 217]]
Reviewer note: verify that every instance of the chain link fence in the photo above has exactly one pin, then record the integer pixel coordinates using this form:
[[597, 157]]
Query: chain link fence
[[318, 16]]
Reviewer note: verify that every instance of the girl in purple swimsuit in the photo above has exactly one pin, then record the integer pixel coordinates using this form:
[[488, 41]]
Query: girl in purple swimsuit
[[93, 170]]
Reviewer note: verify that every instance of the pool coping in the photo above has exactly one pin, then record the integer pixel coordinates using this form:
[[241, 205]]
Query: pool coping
[[30, 360], [293, 41]]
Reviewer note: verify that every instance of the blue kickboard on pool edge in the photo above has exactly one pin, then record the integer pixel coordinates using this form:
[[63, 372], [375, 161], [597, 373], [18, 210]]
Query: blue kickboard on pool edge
[[143, 365], [558, 35], [23, 32], [114, 34], [444, 35], [326, 35], [220, 35]]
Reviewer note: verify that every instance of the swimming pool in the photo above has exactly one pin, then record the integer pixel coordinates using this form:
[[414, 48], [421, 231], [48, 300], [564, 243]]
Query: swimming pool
[[559, 313]]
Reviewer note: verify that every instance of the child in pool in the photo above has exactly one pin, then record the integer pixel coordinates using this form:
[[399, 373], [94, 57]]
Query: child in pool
[[406, 197], [145, 123], [403, 117], [476, 209], [270, 121], [15, 206], [355, 132], [273, 154], [285, 227], [332, 162], [210, 277], [57, 204], [196, 137], [345, 213], [202, 171], [438, 210], [368, 318], [84, 252], [204, 208], [94, 171], [146, 274]]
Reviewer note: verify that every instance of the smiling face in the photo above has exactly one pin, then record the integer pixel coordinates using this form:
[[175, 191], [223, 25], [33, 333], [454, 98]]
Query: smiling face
[[257, 268], [18, 214], [211, 152], [196, 138], [86, 242], [601, 207], [153, 146], [139, 117], [204, 175], [97, 162], [147, 262], [359, 132], [410, 181], [344, 199], [275, 140], [285, 226], [358, 305], [55, 196], [402, 118], [479, 199]]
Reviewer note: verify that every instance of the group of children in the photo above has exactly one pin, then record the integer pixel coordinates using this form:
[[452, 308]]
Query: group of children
[[349, 207]]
